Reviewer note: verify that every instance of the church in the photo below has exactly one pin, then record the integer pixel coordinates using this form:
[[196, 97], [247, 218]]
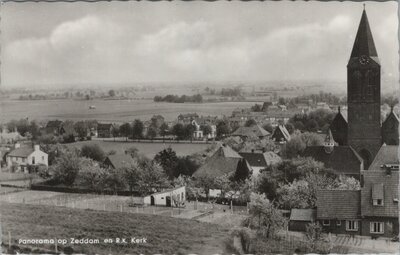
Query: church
[[362, 128]]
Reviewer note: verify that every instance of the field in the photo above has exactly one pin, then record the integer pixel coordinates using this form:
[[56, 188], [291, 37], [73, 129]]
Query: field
[[147, 149], [108, 110], [164, 235]]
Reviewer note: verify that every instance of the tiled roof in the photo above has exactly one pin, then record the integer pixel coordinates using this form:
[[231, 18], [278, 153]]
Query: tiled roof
[[389, 187], [282, 129], [22, 152], [119, 160], [251, 131], [391, 115], [303, 214], [387, 154], [338, 204], [343, 159], [223, 161], [260, 159]]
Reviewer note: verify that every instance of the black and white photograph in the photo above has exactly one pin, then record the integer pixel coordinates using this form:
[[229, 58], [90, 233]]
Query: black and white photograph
[[199, 127]]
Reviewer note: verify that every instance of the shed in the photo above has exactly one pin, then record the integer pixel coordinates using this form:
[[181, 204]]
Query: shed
[[171, 197], [299, 218]]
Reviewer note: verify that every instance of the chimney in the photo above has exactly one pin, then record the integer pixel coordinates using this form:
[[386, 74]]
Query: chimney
[[17, 145], [36, 147]]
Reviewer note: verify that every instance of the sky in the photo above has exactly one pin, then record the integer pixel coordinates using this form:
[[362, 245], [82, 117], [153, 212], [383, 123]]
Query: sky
[[55, 44]]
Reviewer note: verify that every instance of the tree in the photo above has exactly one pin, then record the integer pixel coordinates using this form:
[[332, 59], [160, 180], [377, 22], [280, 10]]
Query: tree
[[111, 93], [151, 178], [81, 129], [206, 129], [294, 147], [151, 132], [125, 130], [222, 129], [168, 161], [114, 180], [250, 122], [264, 216], [66, 167], [132, 175], [290, 128], [137, 129], [93, 151], [92, 176], [179, 131], [188, 131], [296, 195]]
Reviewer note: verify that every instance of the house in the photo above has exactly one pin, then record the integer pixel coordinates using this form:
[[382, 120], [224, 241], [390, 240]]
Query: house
[[259, 160], [53, 127], [118, 161], [373, 210], [187, 118], [224, 161], [380, 203], [10, 137], [67, 129], [175, 197], [198, 132], [105, 130], [21, 157], [255, 130], [280, 134], [341, 159], [338, 211], [300, 218]]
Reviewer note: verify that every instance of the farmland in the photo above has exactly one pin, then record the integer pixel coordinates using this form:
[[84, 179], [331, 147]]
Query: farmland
[[147, 149], [109, 110], [164, 235]]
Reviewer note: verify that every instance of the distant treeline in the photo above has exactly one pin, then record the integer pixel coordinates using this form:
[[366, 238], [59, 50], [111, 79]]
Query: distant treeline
[[179, 99]]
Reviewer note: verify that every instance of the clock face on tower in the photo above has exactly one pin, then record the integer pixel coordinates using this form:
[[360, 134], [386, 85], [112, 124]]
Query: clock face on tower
[[363, 60]]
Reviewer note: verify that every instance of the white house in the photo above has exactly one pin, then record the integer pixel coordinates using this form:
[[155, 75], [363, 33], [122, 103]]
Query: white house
[[21, 157], [171, 197]]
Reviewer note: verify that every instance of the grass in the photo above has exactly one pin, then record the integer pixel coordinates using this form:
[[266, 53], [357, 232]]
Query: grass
[[109, 110], [147, 149], [164, 235]]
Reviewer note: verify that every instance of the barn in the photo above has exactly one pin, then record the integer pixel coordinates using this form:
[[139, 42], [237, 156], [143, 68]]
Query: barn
[[172, 197]]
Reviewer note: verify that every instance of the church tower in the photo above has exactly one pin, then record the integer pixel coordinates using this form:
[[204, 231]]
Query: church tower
[[363, 95]]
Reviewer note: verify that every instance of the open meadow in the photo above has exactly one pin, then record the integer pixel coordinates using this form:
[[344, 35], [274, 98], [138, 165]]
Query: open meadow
[[147, 149], [109, 110], [164, 235]]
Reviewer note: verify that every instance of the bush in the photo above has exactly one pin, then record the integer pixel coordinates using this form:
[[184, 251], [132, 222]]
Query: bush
[[93, 151]]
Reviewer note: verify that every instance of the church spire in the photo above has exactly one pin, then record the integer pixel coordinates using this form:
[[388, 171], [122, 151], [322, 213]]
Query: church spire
[[364, 43]]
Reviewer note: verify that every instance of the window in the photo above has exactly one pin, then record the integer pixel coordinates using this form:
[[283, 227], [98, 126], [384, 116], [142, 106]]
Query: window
[[33, 160], [326, 222], [376, 227], [338, 223], [23, 160], [377, 202], [351, 225]]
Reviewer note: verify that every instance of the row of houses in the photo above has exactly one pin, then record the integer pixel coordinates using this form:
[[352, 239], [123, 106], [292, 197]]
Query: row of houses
[[371, 211]]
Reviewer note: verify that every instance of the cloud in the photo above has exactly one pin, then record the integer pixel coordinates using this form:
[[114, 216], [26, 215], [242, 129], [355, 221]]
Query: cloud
[[98, 50]]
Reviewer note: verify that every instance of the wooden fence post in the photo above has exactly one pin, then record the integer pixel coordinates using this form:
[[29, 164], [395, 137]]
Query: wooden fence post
[[9, 240], [55, 245]]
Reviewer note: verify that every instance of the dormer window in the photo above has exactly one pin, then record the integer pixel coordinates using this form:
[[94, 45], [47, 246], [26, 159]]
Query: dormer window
[[377, 194], [377, 202]]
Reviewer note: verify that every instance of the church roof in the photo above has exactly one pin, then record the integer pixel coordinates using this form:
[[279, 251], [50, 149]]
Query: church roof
[[343, 159], [364, 42], [391, 115], [388, 154]]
